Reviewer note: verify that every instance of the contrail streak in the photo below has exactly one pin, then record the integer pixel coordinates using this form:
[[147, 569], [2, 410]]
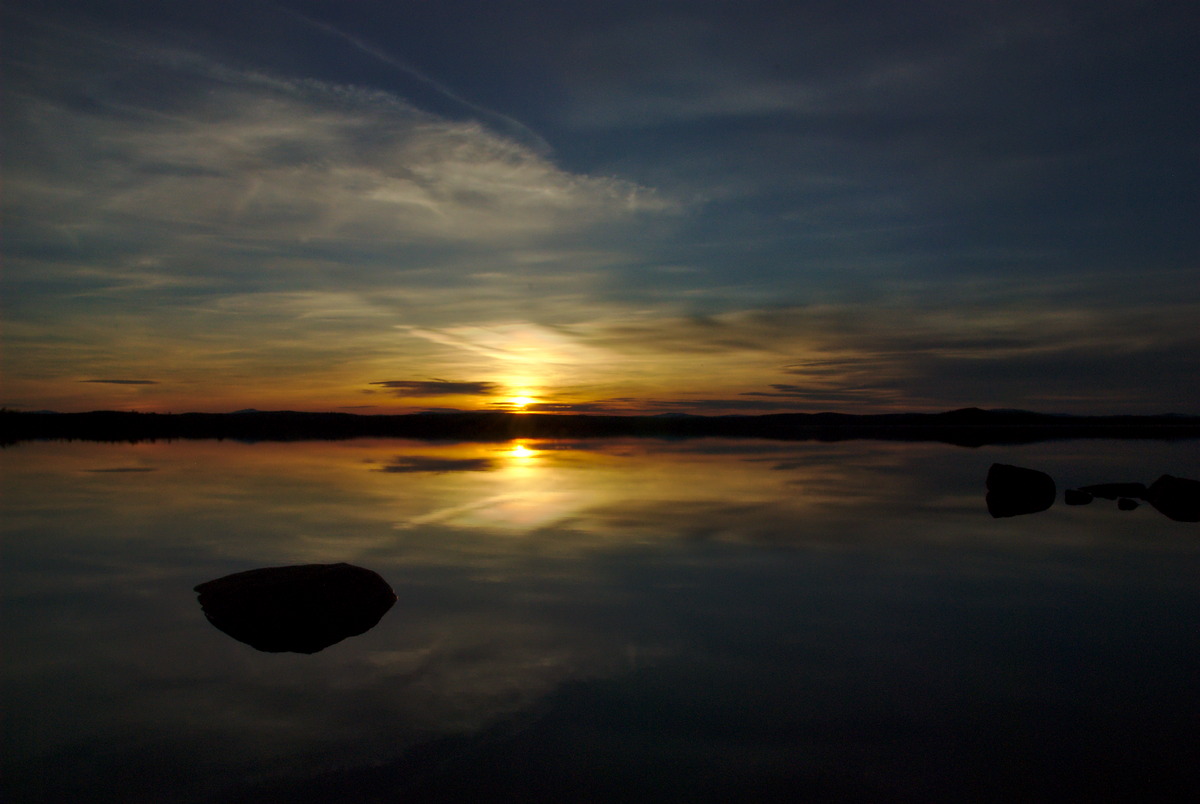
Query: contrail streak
[[511, 125]]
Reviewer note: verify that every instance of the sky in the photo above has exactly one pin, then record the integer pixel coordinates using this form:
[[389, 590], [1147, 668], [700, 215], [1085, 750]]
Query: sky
[[603, 207]]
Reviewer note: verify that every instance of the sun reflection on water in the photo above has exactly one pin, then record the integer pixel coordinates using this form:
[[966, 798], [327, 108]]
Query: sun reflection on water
[[568, 495], [520, 453]]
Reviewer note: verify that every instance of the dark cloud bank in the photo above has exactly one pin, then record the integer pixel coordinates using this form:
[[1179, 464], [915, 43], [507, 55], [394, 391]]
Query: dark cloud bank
[[437, 387]]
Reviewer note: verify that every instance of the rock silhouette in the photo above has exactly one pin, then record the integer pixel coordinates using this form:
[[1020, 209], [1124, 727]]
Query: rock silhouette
[[1175, 497], [303, 608], [1015, 490]]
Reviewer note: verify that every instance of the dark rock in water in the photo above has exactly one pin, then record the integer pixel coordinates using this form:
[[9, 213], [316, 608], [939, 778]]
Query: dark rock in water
[[1014, 490], [1127, 504], [1175, 497], [1076, 497], [301, 609], [1111, 491]]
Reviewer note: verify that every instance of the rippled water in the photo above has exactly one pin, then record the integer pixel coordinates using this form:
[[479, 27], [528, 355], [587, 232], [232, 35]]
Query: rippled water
[[602, 621]]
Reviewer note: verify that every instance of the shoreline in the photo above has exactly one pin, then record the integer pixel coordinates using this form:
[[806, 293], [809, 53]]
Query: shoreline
[[970, 427]]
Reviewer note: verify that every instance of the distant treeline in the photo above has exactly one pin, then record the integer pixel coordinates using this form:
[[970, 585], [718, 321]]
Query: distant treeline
[[967, 427]]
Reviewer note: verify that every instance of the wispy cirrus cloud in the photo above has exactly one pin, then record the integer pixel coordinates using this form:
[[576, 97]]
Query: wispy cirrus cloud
[[517, 341], [241, 179], [124, 382], [240, 154]]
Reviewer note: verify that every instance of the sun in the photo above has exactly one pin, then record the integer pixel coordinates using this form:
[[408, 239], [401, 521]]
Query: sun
[[521, 401]]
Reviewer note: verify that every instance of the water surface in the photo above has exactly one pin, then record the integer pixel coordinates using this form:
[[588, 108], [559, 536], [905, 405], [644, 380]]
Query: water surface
[[601, 621]]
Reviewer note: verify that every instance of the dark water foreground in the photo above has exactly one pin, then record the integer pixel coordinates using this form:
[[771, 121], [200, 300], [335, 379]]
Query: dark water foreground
[[610, 620]]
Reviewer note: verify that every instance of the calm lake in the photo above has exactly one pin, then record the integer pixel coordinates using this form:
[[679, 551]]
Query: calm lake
[[630, 620]]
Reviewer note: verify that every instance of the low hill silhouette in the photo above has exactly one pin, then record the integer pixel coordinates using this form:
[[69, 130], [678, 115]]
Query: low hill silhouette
[[966, 427]]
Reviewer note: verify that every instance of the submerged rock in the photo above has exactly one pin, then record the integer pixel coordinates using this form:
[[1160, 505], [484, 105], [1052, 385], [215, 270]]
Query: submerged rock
[[1112, 491], [1175, 497], [1015, 490], [300, 609]]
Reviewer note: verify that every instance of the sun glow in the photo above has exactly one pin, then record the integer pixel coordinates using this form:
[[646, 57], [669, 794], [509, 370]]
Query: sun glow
[[521, 401], [521, 452]]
